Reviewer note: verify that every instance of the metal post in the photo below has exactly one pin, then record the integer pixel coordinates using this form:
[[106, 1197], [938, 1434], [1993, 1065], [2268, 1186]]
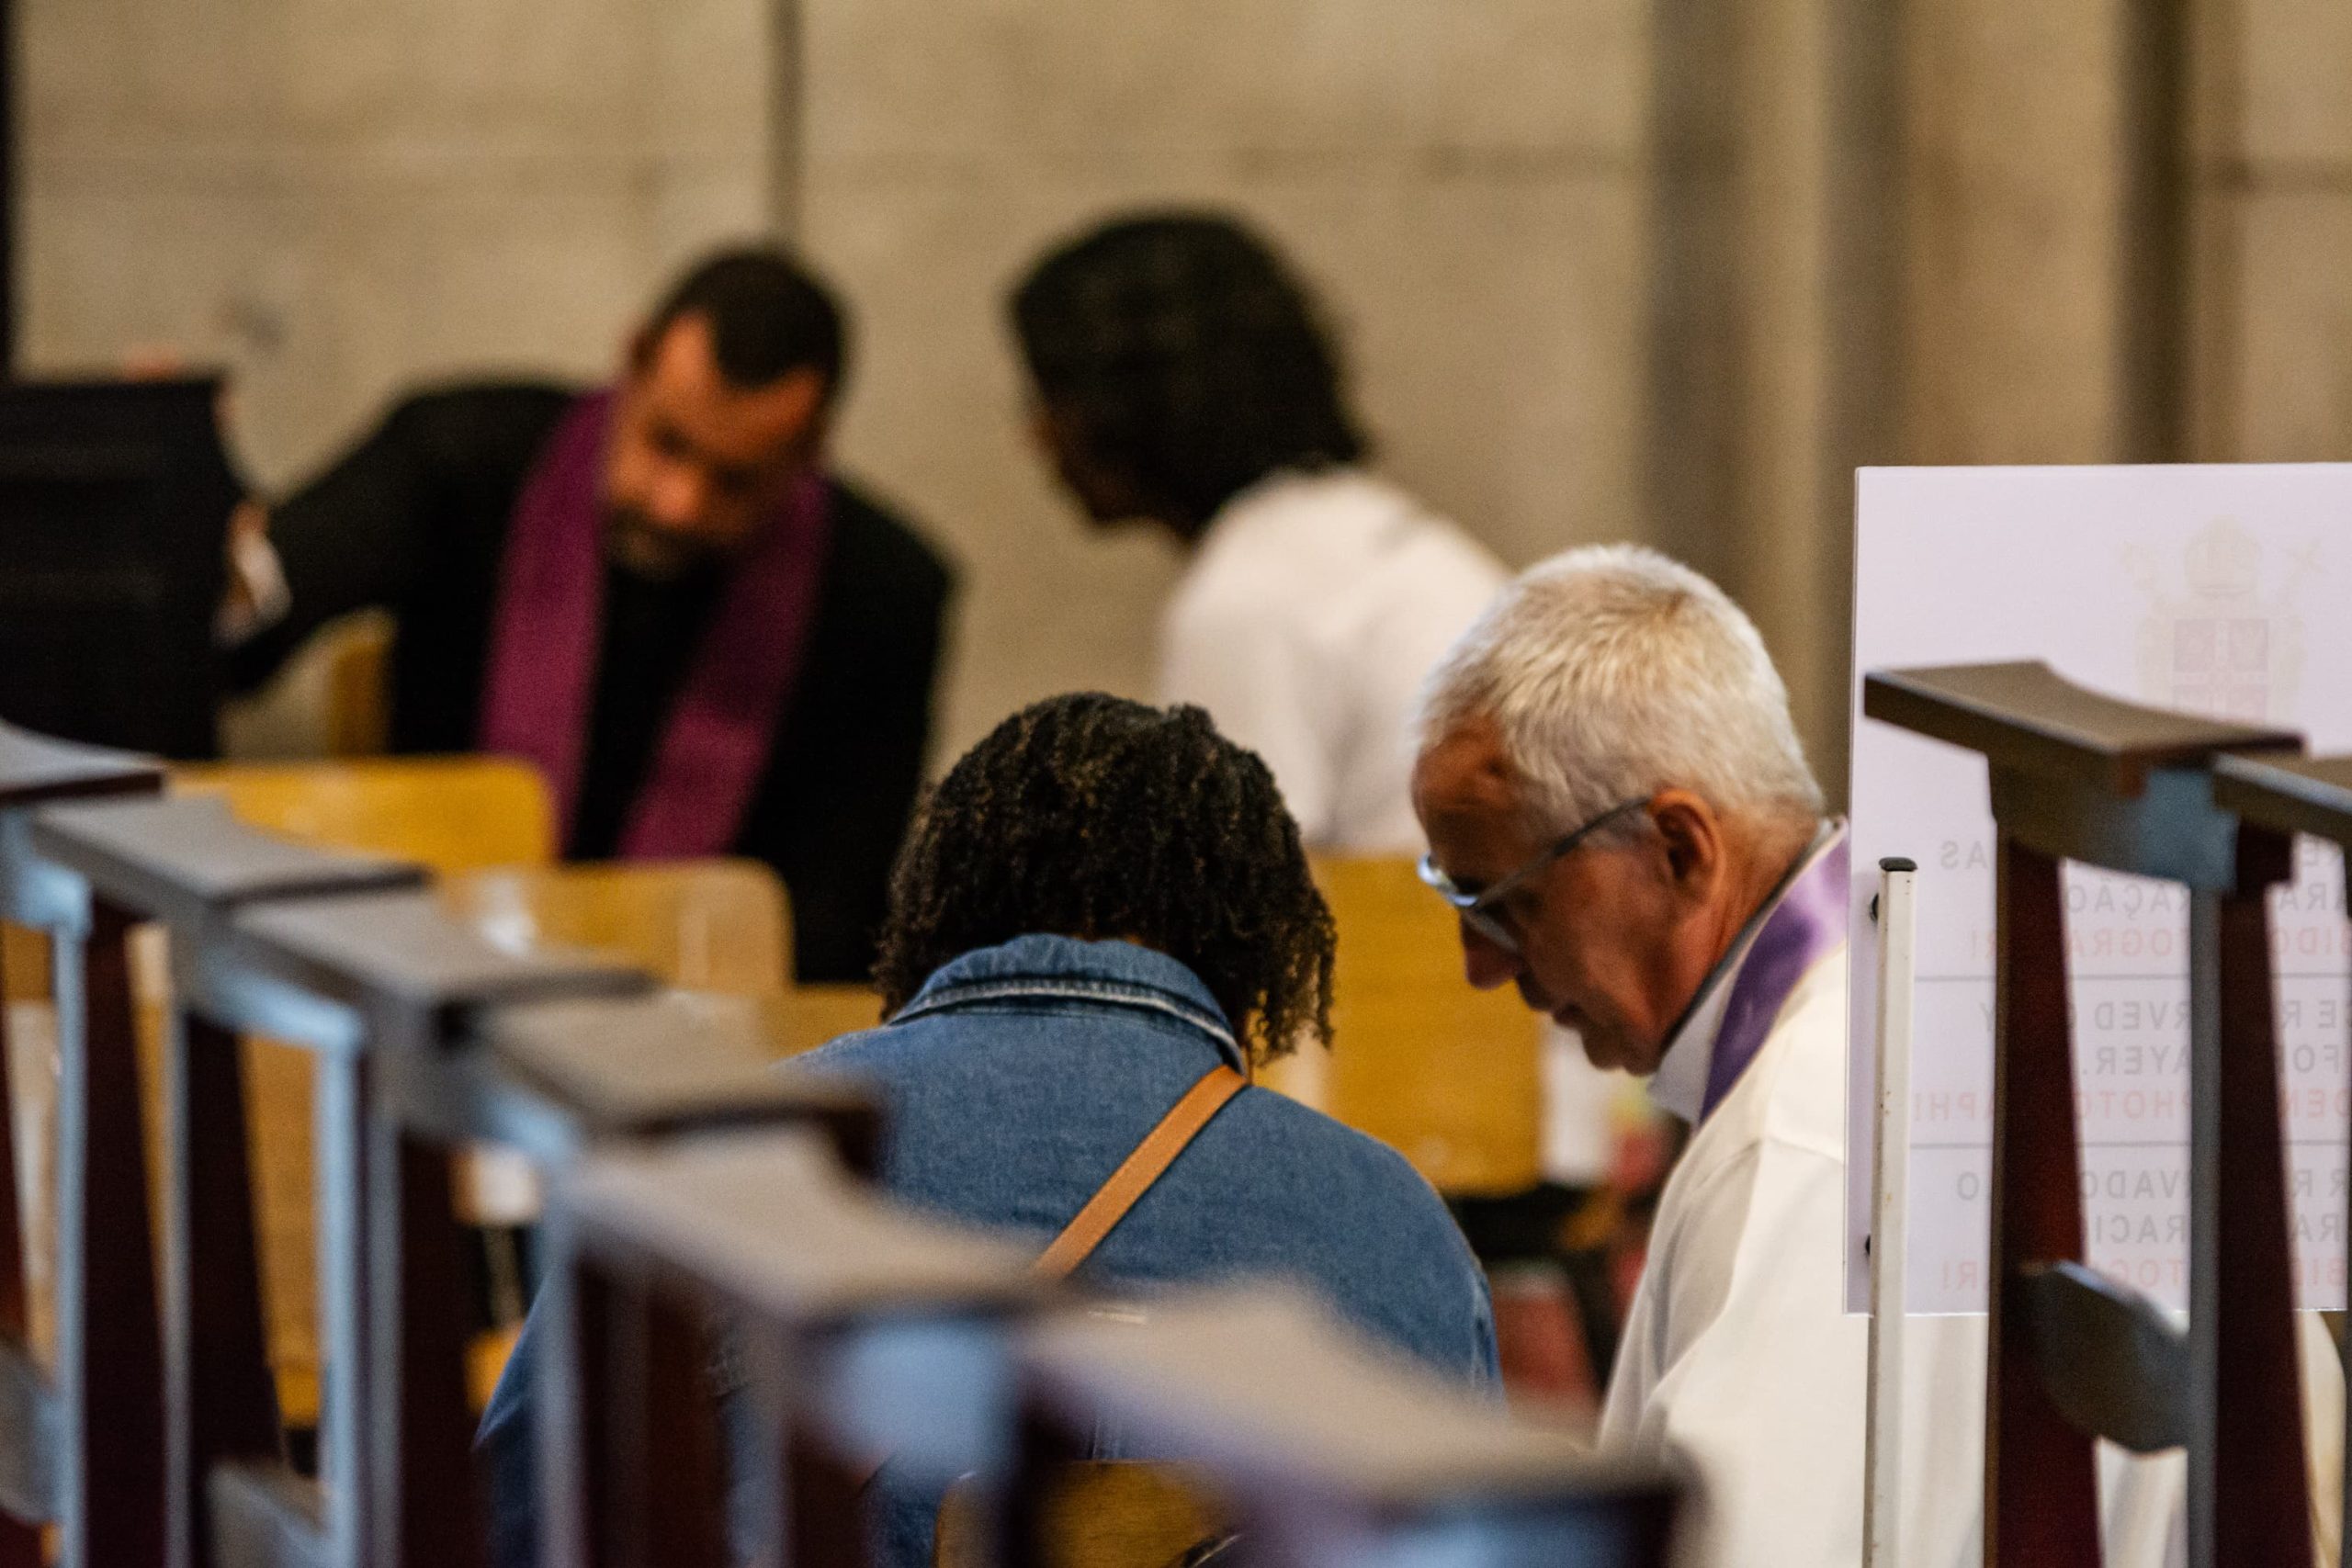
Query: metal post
[[2204, 1213], [341, 1142], [1890, 1154]]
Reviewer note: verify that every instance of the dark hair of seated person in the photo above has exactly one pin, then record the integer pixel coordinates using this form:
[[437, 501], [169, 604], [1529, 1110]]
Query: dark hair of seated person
[[1186, 354], [1092, 816]]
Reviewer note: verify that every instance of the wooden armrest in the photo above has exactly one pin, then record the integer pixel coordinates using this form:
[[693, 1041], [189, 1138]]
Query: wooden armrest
[[399, 955], [2290, 794], [769, 1221], [2025, 716], [36, 768], [183, 859], [648, 1066], [1268, 1392]]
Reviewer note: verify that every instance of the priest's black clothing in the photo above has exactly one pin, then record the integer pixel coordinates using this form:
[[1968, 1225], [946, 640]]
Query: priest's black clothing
[[414, 519]]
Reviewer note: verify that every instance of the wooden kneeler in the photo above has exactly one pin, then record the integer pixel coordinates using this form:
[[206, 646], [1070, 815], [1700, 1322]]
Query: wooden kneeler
[[190, 866], [2082, 777], [85, 1449], [558, 1080], [385, 981], [864, 1333], [2296, 795], [1316, 1447], [417, 1056], [555, 1054], [555, 1080]]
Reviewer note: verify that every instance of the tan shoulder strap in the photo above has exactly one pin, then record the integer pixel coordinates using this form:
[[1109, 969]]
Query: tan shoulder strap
[[1137, 1172]]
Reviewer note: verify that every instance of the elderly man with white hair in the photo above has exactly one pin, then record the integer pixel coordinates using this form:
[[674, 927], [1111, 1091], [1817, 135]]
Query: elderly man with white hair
[[1618, 807]]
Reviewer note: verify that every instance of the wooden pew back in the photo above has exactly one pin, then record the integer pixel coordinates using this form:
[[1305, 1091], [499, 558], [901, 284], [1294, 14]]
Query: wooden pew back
[[2078, 776], [1446, 1074], [867, 1333], [188, 863], [449, 814], [83, 1446], [705, 925]]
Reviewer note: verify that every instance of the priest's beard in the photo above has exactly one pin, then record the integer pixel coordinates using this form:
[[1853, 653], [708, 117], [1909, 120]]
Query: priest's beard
[[645, 550]]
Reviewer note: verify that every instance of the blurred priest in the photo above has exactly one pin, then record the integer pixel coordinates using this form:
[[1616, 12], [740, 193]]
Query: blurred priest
[[655, 590]]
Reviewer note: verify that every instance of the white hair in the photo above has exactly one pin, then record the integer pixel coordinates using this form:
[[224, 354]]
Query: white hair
[[1613, 672]]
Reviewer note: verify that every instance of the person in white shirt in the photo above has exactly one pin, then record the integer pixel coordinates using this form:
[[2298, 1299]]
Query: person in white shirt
[[1181, 374], [1620, 811]]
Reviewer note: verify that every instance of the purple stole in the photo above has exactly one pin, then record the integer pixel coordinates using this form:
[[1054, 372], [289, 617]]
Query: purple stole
[[1805, 926], [545, 638]]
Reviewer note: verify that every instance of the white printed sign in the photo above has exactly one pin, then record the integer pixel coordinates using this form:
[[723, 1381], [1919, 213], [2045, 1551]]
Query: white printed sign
[[2225, 591]]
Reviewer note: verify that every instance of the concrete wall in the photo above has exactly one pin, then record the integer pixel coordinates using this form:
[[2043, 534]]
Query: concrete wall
[[1464, 178], [1608, 268], [331, 197], [334, 199], [2274, 176]]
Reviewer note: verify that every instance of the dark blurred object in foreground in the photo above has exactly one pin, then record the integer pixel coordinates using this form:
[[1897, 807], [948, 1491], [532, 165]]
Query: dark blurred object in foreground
[[114, 499]]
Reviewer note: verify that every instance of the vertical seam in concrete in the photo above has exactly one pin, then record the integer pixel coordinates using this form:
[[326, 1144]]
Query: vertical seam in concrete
[[2154, 265], [788, 131], [2218, 196], [1864, 211], [1695, 372]]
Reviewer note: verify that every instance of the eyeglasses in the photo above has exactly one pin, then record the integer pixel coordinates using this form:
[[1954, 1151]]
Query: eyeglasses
[[1481, 911]]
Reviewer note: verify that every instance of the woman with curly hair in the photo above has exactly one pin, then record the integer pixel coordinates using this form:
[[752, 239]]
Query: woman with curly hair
[[1102, 903], [1104, 921]]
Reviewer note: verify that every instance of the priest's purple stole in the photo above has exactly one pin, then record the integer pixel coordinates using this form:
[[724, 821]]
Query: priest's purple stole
[[545, 638], [1807, 926]]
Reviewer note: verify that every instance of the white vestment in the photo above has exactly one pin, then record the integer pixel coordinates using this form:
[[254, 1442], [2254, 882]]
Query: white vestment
[[1313, 610], [1737, 1352]]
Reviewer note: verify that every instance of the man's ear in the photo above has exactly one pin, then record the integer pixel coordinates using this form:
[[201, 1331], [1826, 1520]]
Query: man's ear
[[1691, 836], [801, 391], [636, 353]]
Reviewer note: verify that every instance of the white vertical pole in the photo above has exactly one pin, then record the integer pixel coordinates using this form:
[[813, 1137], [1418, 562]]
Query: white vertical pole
[[1891, 1158]]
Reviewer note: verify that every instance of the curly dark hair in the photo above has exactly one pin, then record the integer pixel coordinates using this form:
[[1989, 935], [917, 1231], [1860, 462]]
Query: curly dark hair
[[1185, 354], [1089, 816]]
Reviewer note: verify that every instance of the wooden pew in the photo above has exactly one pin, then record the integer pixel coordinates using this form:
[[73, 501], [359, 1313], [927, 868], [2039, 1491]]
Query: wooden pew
[[1321, 1449], [366, 994], [708, 925], [85, 1448], [2295, 794], [431, 1036], [390, 979], [554, 1079], [457, 816], [451, 814], [719, 927], [188, 864], [867, 1333], [2079, 776], [550, 1051]]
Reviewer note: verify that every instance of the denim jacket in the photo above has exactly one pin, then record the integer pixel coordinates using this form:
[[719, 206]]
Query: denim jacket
[[1018, 1079]]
